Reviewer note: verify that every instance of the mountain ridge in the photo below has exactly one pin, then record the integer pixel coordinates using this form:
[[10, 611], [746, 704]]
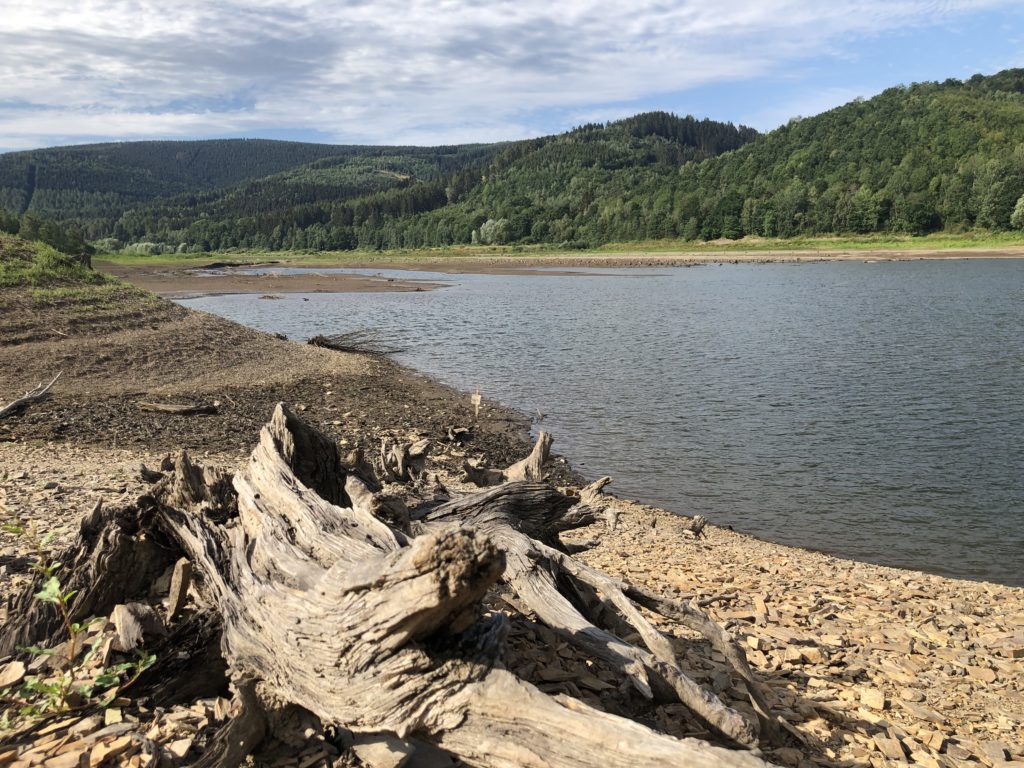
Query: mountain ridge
[[912, 160]]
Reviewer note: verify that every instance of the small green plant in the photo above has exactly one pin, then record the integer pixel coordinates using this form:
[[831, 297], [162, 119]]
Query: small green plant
[[79, 683]]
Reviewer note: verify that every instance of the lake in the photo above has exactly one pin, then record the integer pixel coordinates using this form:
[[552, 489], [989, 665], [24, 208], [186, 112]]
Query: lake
[[870, 410]]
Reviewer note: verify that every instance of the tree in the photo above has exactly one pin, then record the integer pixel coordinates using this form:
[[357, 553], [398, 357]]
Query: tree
[[8, 222], [1017, 217], [494, 232]]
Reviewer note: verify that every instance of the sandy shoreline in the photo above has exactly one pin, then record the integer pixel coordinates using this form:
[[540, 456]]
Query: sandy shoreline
[[189, 280], [863, 662]]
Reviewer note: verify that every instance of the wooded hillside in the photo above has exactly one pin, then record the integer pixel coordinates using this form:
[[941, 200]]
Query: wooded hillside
[[914, 159]]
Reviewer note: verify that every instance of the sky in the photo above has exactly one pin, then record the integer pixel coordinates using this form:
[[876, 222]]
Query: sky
[[447, 72]]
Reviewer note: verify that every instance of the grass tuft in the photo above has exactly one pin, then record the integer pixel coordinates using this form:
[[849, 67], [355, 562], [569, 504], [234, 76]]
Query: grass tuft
[[37, 265]]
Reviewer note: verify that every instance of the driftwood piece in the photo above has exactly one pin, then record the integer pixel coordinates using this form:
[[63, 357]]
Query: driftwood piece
[[112, 561], [41, 392], [535, 509], [327, 608], [530, 468], [179, 409], [696, 526], [403, 462], [366, 341], [534, 571], [593, 494]]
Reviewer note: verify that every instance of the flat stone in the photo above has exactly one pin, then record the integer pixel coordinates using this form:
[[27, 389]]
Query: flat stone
[[67, 760], [958, 752], [995, 751], [925, 759], [873, 698], [110, 750], [891, 748], [554, 674], [178, 590], [382, 750], [924, 713], [86, 725], [935, 740], [12, 674], [180, 747], [812, 655], [985, 674]]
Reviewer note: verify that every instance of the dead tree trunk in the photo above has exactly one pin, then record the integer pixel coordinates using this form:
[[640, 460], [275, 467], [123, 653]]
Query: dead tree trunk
[[112, 561], [530, 468], [325, 606]]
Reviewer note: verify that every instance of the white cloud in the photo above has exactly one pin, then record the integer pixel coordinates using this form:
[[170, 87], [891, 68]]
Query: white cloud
[[392, 71]]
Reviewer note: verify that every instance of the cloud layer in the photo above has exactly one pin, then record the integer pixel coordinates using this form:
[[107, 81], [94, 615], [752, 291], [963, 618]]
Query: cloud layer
[[394, 71]]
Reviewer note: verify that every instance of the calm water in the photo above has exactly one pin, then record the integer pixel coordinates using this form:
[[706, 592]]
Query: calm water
[[870, 410]]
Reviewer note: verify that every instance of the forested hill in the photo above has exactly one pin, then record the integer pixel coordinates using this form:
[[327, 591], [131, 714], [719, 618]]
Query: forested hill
[[928, 157], [94, 184], [263, 194], [914, 159]]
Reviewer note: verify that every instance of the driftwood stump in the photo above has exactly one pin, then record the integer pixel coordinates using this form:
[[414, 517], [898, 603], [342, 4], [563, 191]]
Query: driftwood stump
[[322, 604]]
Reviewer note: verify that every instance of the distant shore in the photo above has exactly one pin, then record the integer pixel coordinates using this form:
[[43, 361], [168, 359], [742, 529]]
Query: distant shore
[[216, 274]]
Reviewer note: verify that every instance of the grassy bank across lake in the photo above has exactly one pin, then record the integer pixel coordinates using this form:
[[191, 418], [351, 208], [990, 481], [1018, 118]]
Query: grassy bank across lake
[[487, 258]]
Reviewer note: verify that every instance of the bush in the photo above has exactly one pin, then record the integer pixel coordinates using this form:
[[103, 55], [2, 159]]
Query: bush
[[39, 265], [108, 245], [148, 249]]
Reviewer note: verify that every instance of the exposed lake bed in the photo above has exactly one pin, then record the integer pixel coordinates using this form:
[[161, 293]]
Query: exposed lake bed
[[863, 409]]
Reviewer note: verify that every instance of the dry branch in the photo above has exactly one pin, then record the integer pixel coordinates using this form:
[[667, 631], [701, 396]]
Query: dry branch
[[41, 392], [179, 409], [363, 341]]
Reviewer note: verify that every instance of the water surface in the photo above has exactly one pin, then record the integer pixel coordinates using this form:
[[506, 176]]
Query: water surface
[[870, 410]]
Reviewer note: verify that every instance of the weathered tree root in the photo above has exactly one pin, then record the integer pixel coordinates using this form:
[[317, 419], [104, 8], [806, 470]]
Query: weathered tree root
[[542, 575], [325, 606], [530, 468]]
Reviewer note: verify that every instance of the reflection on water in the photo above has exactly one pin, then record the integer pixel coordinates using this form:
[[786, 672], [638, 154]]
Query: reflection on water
[[870, 410]]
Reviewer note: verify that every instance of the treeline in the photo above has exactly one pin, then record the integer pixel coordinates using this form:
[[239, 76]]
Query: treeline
[[67, 238], [918, 159]]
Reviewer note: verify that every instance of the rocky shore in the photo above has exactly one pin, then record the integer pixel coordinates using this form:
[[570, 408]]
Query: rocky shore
[[866, 665]]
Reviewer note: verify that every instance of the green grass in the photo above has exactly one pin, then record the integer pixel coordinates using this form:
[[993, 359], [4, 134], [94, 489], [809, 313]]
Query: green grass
[[937, 242], [36, 265], [105, 295]]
